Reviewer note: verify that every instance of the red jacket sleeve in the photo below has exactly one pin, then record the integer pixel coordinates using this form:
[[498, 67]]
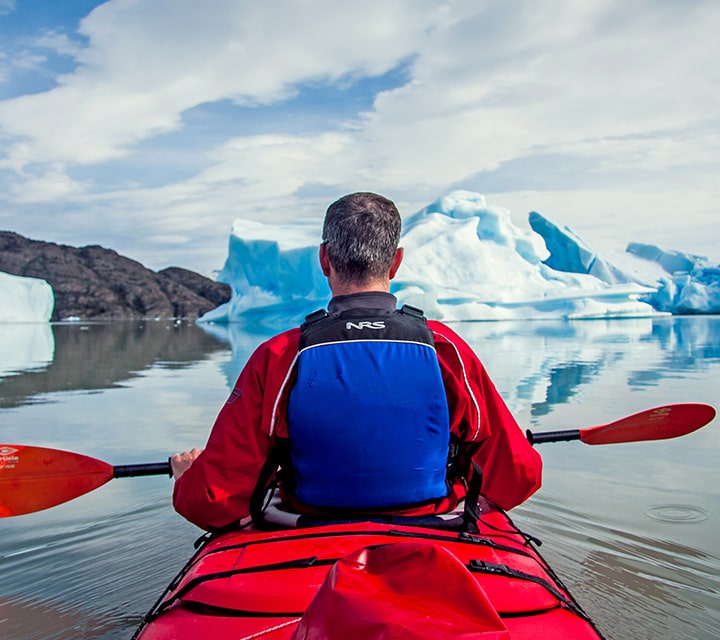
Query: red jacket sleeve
[[215, 491], [511, 468]]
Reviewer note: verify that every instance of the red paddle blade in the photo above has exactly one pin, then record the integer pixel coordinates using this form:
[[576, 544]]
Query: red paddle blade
[[670, 421], [35, 478]]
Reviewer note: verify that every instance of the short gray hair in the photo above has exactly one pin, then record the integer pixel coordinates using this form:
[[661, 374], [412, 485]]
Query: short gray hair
[[361, 233]]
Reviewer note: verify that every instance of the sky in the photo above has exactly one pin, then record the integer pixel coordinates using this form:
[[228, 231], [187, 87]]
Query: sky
[[149, 126]]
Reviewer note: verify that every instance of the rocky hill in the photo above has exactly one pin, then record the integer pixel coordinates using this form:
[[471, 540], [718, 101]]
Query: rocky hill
[[94, 283]]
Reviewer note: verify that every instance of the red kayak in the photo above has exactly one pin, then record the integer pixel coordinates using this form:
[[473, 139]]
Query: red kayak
[[369, 581]]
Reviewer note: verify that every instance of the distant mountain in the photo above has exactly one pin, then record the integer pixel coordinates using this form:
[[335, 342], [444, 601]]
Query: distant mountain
[[94, 283]]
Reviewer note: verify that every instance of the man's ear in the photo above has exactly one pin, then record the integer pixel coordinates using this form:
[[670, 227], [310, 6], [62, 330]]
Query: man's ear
[[324, 261], [399, 255]]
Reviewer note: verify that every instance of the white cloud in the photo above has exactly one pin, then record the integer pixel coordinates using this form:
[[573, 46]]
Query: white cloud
[[487, 76], [58, 42], [52, 185], [146, 63], [625, 89], [19, 61], [479, 100]]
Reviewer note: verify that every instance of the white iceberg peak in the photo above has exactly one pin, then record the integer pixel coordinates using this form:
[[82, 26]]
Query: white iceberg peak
[[491, 223]]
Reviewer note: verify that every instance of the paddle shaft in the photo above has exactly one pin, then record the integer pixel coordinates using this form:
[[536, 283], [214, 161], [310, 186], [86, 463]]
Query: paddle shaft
[[553, 436], [145, 469]]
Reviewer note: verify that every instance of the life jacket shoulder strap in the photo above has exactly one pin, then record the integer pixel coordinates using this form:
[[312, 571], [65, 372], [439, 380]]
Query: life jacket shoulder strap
[[313, 317], [415, 312]]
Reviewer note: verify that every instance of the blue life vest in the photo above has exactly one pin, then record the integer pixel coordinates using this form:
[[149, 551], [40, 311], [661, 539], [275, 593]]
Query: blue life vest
[[368, 415]]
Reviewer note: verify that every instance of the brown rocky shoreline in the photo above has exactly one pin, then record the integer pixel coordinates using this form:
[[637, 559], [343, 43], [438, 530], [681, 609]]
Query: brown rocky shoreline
[[95, 283]]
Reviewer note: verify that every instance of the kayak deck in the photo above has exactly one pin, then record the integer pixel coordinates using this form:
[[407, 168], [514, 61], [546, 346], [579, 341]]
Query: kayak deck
[[422, 582]]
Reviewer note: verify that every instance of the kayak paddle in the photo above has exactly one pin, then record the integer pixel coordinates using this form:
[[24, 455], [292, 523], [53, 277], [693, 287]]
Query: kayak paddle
[[660, 423], [36, 478]]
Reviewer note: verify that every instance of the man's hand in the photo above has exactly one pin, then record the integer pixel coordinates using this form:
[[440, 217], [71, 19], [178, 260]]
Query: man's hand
[[180, 462]]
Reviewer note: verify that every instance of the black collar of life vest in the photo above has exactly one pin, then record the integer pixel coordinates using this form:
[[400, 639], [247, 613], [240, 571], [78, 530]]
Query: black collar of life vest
[[377, 300]]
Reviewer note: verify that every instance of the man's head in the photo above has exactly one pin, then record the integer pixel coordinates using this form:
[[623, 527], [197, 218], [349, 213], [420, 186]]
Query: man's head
[[361, 233]]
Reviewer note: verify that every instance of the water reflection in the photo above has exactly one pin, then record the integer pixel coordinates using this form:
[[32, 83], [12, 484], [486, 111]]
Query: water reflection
[[242, 339], [73, 575], [557, 359], [564, 382], [656, 577], [690, 342], [25, 346], [91, 357], [45, 618]]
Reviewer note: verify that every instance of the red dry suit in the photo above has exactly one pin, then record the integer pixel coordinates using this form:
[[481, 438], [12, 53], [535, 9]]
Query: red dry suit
[[215, 491]]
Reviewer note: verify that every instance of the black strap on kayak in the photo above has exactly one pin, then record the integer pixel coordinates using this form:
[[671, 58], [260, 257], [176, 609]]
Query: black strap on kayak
[[299, 563], [481, 566], [461, 538], [529, 539], [438, 523], [475, 566]]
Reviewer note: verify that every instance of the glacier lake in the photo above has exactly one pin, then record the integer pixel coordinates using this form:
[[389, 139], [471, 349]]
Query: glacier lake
[[632, 529]]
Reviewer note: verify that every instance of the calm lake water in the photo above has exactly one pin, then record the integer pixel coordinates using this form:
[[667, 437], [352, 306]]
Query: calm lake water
[[633, 529]]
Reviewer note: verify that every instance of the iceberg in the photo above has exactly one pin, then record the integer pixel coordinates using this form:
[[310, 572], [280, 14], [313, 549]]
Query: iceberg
[[669, 261], [273, 272], [689, 284], [569, 253], [25, 299], [464, 260], [682, 283]]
